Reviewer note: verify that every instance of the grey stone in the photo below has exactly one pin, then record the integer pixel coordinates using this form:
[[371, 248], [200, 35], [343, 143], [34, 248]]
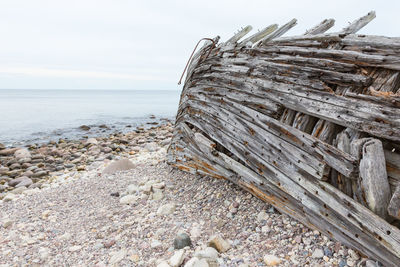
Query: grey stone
[[84, 128], [194, 262], [32, 168], [182, 240], [207, 253], [151, 147], [19, 190], [262, 215], [166, 209], [106, 149], [328, 252], [219, 243], [8, 151], [22, 153], [177, 259], [132, 188], [15, 166], [128, 199], [158, 195], [9, 197], [39, 174], [27, 173], [342, 263], [13, 173], [119, 165], [318, 253], [7, 223], [91, 141], [163, 264], [3, 187], [165, 142], [24, 160], [18, 180], [3, 170]]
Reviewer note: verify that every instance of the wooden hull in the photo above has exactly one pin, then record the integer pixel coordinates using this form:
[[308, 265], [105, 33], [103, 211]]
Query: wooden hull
[[310, 124]]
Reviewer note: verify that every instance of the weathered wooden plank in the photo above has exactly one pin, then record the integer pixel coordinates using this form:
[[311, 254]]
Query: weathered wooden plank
[[271, 147], [259, 35], [279, 32], [324, 70], [259, 83], [324, 131], [394, 205], [240, 34], [304, 122], [358, 24], [374, 177], [288, 116], [362, 59], [391, 101], [322, 27], [269, 107], [393, 164], [343, 143], [322, 105], [343, 162]]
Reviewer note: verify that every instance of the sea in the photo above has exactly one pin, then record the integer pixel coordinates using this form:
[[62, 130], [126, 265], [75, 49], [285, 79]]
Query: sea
[[39, 116]]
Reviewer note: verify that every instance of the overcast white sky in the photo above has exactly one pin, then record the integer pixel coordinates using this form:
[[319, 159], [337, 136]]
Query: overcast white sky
[[128, 44]]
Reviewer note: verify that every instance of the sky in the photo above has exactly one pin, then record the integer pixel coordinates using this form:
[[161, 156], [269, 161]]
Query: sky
[[144, 45]]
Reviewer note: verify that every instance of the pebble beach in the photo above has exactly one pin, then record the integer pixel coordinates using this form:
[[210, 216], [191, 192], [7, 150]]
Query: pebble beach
[[114, 201]]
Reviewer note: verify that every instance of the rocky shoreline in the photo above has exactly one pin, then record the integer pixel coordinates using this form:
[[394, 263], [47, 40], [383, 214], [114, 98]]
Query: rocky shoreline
[[113, 201], [30, 167]]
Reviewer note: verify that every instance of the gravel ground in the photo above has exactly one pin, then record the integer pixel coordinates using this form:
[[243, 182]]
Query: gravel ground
[[131, 219]]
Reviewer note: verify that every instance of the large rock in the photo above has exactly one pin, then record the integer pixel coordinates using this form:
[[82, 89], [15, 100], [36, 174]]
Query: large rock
[[84, 128], [91, 141], [166, 209], [177, 259], [22, 153], [128, 199], [271, 260], [9, 197], [318, 253], [2, 146], [208, 253], [219, 243], [20, 181], [117, 166], [182, 240], [8, 151], [3, 170]]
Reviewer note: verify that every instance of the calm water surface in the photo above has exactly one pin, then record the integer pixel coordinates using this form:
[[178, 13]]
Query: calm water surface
[[29, 116]]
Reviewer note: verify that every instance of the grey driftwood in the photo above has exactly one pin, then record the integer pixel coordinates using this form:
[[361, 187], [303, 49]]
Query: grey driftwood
[[309, 123]]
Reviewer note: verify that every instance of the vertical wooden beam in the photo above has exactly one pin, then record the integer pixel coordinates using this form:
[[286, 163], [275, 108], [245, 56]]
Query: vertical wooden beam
[[374, 177], [394, 205]]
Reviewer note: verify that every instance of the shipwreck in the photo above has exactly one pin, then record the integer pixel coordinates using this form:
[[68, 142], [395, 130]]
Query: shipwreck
[[309, 123]]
